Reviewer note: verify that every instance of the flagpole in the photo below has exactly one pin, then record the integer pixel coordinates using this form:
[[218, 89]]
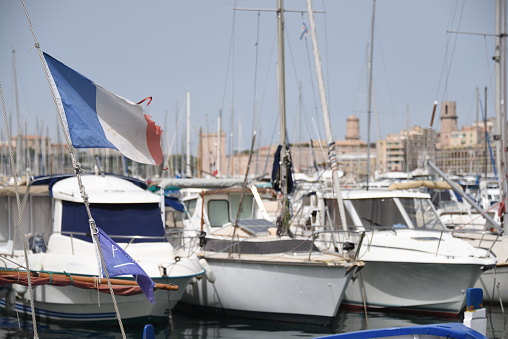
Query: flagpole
[[77, 167]]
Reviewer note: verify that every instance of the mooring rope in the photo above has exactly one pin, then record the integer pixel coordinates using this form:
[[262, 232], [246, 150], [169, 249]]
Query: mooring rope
[[20, 212]]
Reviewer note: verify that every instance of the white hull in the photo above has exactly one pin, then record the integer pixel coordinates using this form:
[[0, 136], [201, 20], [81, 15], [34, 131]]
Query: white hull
[[64, 246], [79, 305], [495, 284], [274, 290], [437, 288]]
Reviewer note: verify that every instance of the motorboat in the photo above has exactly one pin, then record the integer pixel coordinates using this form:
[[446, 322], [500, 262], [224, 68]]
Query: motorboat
[[412, 262], [60, 244]]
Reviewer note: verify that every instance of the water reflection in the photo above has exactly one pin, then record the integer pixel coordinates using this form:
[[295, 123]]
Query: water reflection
[[193, 325]]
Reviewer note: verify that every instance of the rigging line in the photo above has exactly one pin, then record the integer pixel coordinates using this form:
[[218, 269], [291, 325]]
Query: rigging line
[[20, 212], [447, 78], [312, 78], [244, 187], [255, 119], [326, 54], [77, 167], [490, 71], [445, 70], [230, 53], [269, 147], [267, 77]]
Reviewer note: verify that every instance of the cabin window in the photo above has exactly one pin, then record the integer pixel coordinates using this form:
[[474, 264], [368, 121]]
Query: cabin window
[[379, 212], [190, 205], [421, 213], [218, 212], [333, 216], [246, 211]]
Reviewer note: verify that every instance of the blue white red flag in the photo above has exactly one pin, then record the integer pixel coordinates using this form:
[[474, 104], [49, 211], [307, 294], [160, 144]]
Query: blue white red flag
[[305, 31], [118, 262], [98, 118]]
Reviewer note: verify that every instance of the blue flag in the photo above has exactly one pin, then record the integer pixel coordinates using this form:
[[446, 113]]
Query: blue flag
[[118, 262]]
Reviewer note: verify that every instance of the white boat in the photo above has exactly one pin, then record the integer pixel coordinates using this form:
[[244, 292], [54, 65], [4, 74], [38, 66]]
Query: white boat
[[493, 282], [474, 228], [411, 261], [253, 272], [60, 243]]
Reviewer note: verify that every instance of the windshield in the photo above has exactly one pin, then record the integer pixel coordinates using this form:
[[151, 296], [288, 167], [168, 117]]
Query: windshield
[[379, 213], [421, 213], [385, 213]]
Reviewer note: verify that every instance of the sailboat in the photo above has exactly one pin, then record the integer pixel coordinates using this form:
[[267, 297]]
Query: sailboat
[[255, 268]]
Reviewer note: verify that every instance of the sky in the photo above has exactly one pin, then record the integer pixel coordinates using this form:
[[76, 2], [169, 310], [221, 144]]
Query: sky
[[226, 58]]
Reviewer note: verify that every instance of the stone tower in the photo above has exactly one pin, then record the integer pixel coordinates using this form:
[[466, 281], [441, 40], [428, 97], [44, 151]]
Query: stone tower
[[352, 128], [448, 122]]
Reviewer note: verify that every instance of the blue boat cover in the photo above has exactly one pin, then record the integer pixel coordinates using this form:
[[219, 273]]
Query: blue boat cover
[[447, 330]]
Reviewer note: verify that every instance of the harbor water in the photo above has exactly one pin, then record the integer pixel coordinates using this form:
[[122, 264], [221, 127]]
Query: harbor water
[[186, 325]]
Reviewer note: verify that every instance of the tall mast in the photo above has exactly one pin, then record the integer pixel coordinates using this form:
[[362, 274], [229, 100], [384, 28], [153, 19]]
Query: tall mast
[[326, 116], [188, 160], [19, 143], [500, 59], [369, 109], [219, 127], [284, 166]]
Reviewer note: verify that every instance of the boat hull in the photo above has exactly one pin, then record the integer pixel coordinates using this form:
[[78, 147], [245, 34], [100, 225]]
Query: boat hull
[[426, 287], [71, 304], [495, 284], [270, 290]]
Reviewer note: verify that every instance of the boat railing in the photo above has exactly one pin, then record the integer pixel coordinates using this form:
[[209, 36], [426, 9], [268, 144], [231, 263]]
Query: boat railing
[[350, 241], [181, 239], [131, 238], [485, 239]]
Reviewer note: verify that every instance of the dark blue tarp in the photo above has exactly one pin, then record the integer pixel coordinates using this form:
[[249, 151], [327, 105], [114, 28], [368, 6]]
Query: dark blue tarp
[[115, 219], [174, 203]]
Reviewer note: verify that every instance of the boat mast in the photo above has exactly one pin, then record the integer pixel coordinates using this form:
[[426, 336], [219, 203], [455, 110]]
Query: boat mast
[[284, 166], [19, 143], [188, 159], [369, 109], [326, 116], [500, 59]]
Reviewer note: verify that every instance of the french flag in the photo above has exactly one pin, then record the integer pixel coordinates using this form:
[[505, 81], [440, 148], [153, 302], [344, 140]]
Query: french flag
[[97, 118]]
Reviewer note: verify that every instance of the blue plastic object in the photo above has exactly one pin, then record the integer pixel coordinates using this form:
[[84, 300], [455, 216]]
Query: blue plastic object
[[148, 332], [474, 299], [449, 330]]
